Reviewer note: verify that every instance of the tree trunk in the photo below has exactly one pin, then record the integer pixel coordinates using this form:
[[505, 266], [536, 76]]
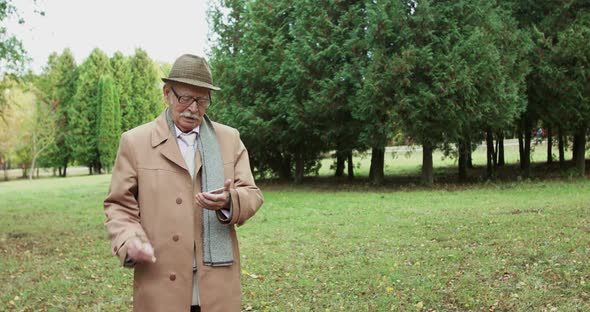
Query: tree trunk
[[469, 153], [340, 159], [427, 166], [580, 143], [350, 166], [549, 145], [97, 168], [376, 174], [463, 155], [37, 172], [496, 147], [285, 170], [501, 159], [299, 164], [65, 168], [561, 147], [575, 148], [32, 169], [527, 148], [491, 161], [521, 148]]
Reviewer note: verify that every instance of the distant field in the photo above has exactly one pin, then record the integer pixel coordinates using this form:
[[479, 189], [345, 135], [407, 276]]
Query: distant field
[[404, 164], [489, 247]]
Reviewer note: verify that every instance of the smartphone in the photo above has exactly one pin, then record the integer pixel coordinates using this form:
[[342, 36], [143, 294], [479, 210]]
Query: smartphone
[[217, 191]]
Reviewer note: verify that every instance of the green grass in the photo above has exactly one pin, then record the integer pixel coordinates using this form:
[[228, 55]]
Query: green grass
[[408, 164], [494, 246]]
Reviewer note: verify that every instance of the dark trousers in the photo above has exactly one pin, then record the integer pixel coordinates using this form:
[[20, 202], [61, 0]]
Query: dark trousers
[[195, 309]]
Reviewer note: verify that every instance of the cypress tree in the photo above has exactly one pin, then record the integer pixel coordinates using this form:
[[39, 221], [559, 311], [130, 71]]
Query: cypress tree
[[122, 82], [84, 111], [108, 123], [245, 62], [145, 101]]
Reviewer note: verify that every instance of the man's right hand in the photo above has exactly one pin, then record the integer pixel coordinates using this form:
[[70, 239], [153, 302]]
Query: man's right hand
[[140, 252]]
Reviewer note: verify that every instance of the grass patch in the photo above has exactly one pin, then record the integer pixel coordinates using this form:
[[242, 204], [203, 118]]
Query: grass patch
[[496, 246]]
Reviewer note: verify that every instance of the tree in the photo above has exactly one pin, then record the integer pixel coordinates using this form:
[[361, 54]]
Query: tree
[[122, 82], [42, 132], [109, 121], [12, 53], [546, 20], [10, 123], [57, 85], [146, 101], [29, 127], [568, 69], [84, 111], [250, 48]]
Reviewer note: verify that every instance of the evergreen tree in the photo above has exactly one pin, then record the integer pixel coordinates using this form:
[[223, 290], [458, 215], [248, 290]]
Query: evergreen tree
[[145, 99], [566, 72], [547, 21], [84, 111], [108, 123], [438, 69], [321, 80], [60, 153], [245, 63], [122, 82]]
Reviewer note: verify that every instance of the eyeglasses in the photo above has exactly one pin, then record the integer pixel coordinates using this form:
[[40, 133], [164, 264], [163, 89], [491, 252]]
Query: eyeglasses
[[186, 100]]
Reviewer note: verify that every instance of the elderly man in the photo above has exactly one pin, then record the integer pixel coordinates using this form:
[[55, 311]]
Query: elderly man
[[180, 183]]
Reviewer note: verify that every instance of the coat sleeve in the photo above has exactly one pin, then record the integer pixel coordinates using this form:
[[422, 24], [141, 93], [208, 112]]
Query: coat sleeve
[[245, 196], [121, 206]]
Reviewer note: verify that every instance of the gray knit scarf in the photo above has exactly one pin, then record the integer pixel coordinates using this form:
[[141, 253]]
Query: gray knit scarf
[[217, 244]]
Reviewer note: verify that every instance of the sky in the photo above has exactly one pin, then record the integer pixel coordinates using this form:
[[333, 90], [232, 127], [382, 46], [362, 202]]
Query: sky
[[164, 29]]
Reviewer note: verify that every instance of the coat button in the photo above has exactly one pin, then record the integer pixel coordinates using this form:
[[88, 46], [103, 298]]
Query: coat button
[[179, 200], [175, 237], [172, 277]]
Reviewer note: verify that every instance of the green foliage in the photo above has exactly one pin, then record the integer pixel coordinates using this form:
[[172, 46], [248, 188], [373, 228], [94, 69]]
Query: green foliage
[[245, 65], [440, 69], [12, 53], [286, 80], [122, 82], [566, 71], [109, 121], [145, 97], [84, 110], [58, 84]]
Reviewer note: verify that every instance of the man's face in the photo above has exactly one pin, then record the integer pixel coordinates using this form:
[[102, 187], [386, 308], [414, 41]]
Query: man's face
[[186, 117]]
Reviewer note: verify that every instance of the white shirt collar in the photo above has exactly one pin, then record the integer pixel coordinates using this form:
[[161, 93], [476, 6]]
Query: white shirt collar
[[179, 132]]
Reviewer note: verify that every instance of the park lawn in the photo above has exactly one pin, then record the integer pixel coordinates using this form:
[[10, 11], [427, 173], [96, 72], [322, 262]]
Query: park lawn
[[409, 164], [494, 246]]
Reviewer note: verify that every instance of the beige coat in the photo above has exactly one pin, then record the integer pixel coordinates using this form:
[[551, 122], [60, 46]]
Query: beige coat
[[152, 197]]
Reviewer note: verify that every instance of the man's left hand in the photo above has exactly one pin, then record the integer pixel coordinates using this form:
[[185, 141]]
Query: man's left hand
[[214, 200]]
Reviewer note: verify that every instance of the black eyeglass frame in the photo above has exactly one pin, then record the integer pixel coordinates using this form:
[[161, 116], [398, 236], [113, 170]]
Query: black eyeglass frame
[[202, 102]]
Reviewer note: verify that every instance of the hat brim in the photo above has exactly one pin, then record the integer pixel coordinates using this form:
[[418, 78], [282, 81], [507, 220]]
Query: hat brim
[[192, 82]]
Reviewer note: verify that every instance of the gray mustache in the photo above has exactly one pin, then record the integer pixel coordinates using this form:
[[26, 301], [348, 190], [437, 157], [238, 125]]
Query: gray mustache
[[189, 115]]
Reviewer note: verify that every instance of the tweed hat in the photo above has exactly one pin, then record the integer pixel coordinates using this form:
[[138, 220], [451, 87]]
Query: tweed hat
[[192, 70]]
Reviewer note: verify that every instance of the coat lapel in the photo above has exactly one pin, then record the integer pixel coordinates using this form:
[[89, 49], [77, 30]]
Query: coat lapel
[[197, 163], [161, 136]]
